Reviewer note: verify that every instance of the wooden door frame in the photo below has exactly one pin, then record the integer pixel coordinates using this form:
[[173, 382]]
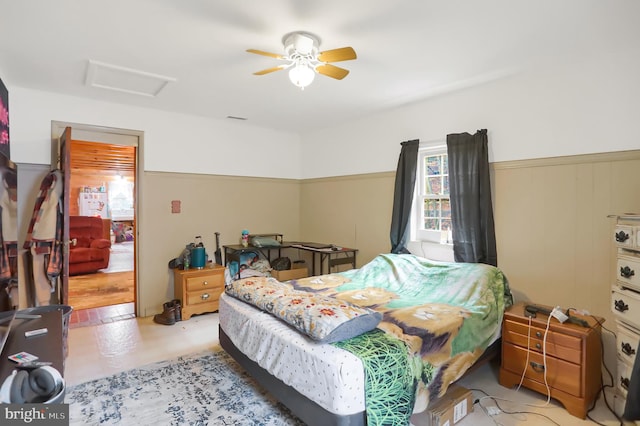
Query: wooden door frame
[[111, 135]]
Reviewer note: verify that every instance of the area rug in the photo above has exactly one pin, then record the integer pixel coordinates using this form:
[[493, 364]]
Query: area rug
[[209, 388]]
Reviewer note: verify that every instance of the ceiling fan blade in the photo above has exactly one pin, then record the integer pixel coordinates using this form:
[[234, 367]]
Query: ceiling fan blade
[[337, 55], [263, 53], [268, 70], [332, 71]]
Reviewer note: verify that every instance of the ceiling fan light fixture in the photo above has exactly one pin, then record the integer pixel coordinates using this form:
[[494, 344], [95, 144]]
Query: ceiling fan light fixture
[[305, 60], [301, 75]]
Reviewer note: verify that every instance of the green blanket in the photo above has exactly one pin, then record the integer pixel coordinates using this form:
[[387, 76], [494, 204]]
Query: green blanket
[[442, 316]]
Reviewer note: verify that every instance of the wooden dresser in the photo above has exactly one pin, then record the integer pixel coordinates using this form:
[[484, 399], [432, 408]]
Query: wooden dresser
[[199, 289], [625, 298], [573, 357]]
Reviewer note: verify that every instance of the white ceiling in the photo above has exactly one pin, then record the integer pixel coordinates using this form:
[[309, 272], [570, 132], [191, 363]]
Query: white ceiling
[[408, 50]]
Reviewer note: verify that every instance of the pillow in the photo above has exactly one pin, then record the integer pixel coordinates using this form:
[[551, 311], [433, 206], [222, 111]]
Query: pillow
[[324, 319]]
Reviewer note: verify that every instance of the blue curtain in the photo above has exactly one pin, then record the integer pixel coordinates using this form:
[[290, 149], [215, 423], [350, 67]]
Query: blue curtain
[[473, 233], [403, 196]]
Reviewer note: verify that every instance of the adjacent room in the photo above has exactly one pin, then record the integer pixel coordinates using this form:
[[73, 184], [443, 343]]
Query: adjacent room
[[300, 212]]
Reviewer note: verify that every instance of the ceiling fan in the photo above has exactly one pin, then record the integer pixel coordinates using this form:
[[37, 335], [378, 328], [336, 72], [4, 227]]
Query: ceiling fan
[[305, 60]]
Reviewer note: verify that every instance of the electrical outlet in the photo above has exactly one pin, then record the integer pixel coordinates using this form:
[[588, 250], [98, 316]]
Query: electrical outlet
[[175, 206]]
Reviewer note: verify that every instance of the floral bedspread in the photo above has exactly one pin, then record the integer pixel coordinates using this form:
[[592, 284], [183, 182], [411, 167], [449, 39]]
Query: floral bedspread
[[324, 319]]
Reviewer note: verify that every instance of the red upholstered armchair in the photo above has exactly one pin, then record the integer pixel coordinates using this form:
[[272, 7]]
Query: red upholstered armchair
[[88, 251]]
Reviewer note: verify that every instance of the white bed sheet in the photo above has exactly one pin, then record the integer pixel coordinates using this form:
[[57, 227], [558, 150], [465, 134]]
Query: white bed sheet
[[329, 376]]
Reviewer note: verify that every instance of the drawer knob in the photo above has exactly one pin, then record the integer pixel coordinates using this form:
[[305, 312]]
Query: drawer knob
[[624, 381], [205, 296], [205, 282], [537, 367], [538, 346], [622, 236], [626, 272], [627, 349], [621, 306], [538, 334]]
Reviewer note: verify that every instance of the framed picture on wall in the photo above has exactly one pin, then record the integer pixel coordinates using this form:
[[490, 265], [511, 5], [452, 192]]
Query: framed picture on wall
[[4, 120]]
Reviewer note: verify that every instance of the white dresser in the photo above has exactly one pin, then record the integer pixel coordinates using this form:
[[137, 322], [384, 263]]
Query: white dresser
[[625, 297]]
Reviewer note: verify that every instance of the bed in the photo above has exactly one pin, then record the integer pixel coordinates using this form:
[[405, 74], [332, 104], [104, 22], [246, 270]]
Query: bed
[[410, 327]]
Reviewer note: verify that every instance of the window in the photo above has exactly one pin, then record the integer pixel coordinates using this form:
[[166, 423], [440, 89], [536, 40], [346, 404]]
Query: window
[[432, 209], [121, 199]]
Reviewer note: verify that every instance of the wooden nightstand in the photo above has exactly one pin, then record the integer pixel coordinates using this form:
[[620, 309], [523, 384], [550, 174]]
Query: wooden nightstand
[[573, 357], [199, 289]]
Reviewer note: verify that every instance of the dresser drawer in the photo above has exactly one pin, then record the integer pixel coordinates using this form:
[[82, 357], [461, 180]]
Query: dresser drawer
[[627, 341], [624, 236], [561, 375], [625, 304], [558, 344], [205, 282], [624, 376], [628, 272]]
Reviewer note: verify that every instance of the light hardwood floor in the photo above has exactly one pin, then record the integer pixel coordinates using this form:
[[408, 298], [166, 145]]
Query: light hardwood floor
[[100, 350], [111, 286]]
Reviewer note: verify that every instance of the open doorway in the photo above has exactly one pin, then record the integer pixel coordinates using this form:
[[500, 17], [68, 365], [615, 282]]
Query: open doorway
[[102, 201], [101, 259]]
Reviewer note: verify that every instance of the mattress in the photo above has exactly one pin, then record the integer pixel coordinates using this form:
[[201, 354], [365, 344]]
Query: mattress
[[438, 319], [330, 376]]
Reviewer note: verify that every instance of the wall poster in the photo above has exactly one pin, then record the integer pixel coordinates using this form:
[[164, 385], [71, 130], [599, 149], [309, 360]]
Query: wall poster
[[4, 120]]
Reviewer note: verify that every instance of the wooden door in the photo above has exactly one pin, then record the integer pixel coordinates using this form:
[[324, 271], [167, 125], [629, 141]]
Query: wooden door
[[60, 159]]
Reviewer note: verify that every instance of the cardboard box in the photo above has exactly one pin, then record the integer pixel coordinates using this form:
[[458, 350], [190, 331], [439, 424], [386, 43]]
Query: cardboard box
[[296, 271], [452, 407]]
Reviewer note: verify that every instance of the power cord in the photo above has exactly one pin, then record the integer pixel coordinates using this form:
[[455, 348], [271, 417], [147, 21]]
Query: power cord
[[545, 405], [603, 387], [526, 361], [544, 360], [495, 400], [612, 385]]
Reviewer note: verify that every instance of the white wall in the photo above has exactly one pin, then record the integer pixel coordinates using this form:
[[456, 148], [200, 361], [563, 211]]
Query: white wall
[[173, 142], [564, 109]]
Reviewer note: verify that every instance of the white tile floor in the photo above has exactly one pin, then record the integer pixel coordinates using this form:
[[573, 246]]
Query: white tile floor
[[100, 350]]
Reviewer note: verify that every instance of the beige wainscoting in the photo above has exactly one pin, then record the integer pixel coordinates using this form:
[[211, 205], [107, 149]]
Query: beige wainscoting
[[554, 226], [552, 220], [350, 211], [208, 203]]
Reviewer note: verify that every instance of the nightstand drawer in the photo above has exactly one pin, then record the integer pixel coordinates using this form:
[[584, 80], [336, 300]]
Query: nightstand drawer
[[205, 282], [205, 296], [625, 304], [628, 272], [561, 375], [559, 345], [199, 289]]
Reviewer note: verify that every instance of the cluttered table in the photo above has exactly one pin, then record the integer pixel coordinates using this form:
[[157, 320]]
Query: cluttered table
[[321, 253], [39, 335]]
